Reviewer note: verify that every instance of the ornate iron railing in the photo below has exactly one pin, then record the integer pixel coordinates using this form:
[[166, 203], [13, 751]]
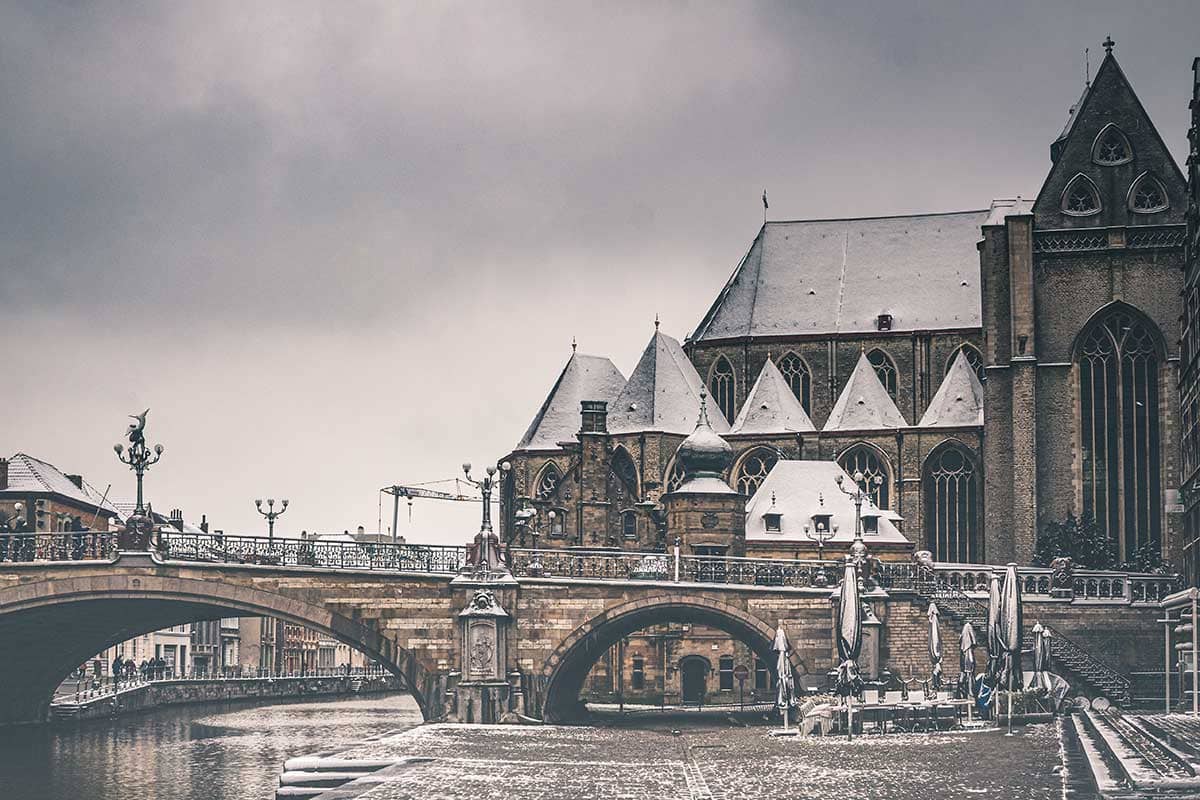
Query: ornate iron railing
[[81, 546], [223, 549], [1101, 586]]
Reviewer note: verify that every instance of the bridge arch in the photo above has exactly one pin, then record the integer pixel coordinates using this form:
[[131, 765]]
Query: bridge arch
[[567, 667], [50, 627]]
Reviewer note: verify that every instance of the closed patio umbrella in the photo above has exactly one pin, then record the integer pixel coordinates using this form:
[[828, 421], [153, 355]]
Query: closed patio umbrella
[[966, 660], [783, 672], [995, 648], [1011, 631], [935, 648], [1039, 677], [849, 638]]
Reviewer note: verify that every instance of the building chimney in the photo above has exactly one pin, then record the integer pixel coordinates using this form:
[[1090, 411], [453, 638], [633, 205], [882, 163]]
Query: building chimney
[[204, 522], [77, 480], [3, 473], [595, 416], [176, 519]]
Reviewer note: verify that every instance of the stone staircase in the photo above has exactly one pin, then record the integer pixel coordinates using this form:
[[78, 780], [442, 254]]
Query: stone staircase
[[1067, 656]]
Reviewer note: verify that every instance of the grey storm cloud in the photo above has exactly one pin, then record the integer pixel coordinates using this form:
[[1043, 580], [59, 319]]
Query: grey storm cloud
[[338, 245]]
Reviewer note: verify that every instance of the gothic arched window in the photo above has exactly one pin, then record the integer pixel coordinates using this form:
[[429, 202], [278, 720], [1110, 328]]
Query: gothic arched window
[[951, 488], [547, 482], [796, 372], [721, 386], [885, 370], [1147, 195], [1119, 428], [867, 460], [1080, 198], [974, 358], [1111, 147], [624, 471], [754, 468]]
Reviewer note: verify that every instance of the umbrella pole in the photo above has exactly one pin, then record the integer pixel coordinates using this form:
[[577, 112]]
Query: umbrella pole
[[849, 717], [1010, 694]]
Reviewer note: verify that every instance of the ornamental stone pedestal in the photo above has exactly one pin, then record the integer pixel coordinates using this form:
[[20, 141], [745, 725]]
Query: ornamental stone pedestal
[[484, 692]]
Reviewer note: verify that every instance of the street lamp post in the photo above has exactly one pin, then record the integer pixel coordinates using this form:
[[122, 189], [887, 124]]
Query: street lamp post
[[487, 562], [139, 458], [820, 534], [271, 514], [526, 518], [860, 492]]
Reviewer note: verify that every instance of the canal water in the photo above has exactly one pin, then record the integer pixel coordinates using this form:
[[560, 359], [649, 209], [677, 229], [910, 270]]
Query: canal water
[[232, 752]]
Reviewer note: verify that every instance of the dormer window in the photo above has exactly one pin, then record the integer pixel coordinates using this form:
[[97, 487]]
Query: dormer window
[[870, 522], [1111, 147], [773, 522], [1081, 198], [1147, 195], [883, 322], [822, 522]]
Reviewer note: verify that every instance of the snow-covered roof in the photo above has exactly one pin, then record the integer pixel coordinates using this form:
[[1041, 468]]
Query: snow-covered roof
[[839, 275], [798, 489], [662, 394], [27, 474], [772, 407], [864, 405], [124, 510], [1006, 207], [583, 378], [959, 400]]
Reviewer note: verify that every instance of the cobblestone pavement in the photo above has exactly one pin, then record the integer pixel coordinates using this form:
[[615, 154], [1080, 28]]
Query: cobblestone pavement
[[570, 763]]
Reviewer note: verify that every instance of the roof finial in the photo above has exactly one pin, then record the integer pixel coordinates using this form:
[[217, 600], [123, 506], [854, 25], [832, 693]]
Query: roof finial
[[703, 409], [1087, 68], [656, 320], [1108, 44], [574, 344]]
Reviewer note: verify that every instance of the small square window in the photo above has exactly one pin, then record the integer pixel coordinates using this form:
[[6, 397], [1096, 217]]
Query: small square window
[[773, 522]]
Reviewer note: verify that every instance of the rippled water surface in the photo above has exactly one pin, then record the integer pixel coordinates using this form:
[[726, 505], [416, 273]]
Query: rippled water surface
[[189, 752]]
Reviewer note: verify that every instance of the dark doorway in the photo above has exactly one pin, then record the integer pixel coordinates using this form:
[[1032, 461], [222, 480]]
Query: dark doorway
[[693, 677]]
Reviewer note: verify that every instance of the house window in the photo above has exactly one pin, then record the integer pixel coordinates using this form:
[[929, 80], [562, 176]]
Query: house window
[[1080, 198], [868, 461], [951, 489], [638, 678], [754, 469], [559, 522], [773, 522], [885, 370], [1120, 429], [725, 673], [1111, 147], [629, 524], [548, 482], [721, 386], [1147, 195], [798, 376], [870, 523], [762, 675]]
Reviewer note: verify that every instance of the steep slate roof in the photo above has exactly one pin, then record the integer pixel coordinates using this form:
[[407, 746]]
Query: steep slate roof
[[801, 488], [32, 475], [662, 394], [864, 404], [772, 407], [959, 400], [583, 378], [837, 276]]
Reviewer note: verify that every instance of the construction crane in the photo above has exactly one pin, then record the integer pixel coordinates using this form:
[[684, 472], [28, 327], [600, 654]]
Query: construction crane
[[463, 492]]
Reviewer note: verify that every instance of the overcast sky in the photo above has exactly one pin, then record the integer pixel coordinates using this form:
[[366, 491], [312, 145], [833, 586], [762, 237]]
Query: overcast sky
[[337, 246]]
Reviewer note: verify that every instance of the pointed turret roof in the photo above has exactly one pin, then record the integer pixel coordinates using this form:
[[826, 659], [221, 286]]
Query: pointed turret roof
[[959, 400], [772, 407], [583, 378], [864, 404], [662, 394], [1109, 100]]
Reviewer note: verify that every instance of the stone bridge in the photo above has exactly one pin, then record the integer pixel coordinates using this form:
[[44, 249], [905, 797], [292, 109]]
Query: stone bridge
[[556, 618]]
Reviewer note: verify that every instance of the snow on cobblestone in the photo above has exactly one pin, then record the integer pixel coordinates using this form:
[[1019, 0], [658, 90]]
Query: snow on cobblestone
[[476, 762]]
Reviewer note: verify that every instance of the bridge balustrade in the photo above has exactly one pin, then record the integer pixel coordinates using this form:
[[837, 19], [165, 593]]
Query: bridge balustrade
[[74, 546], [1091, 585], [224, 549]]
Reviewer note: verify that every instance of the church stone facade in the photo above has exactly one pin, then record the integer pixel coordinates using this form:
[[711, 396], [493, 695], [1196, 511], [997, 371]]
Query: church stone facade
[[1057, 311]]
